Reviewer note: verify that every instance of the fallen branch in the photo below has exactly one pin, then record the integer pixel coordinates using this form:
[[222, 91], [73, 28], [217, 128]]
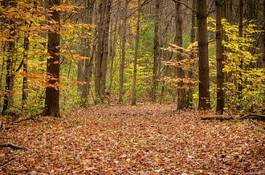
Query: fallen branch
[[254, 117], [227, 118], [219, 118], [7, 162], [12, 146]]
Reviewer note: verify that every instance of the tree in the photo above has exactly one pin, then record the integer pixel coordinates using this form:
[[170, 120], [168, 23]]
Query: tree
[[204, 93], [102, 49], [9, 49], [181, 102], [263, 35], [156, 51], [192, 40], [136, 54], [123, 48], [86, 52], [219, 57], [52, 107]]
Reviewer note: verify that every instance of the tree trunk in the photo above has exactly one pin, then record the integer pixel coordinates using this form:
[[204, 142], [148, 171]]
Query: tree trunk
[[240, 29], [192, 40], [9, 49], [102, 49], [219, 57], [181, 101], [123, 49], [156, 51], [136, 54], [204, 93], [86, 52], [263, 57], [25, 70], [52, 107], [113, 43]]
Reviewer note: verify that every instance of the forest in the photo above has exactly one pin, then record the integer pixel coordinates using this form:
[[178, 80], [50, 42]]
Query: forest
[[132, 87]]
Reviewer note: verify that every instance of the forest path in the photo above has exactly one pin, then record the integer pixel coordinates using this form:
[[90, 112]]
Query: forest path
[[147, 139]]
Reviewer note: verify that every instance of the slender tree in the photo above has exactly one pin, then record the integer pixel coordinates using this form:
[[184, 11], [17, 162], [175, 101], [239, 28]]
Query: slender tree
[[240, 30], [123, 49], [219, 57], [136, 53], [86, 52], [181, 101], [263, 35], [204, 93], [192, 40], [25, 69], [156, 51], [52, 107]]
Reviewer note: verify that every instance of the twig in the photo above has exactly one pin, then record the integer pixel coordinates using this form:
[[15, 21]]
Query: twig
[[7, 162], [12, 146]]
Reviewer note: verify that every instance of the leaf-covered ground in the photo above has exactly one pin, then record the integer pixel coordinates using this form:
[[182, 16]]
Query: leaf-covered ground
[[147, 139]]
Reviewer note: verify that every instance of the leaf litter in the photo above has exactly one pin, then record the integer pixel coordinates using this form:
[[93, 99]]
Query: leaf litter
[[147, 139]]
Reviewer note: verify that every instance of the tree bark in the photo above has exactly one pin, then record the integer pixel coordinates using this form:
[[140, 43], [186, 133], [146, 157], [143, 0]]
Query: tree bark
[[156, 51], [25, 70], [219, 57], [102, 49], [263, 57], [9, 49], [113, 43], [123, 49], [136, 54], [52, 107], [181, 101], [86, 52], [204, 93], [240, 29], [192, 40]]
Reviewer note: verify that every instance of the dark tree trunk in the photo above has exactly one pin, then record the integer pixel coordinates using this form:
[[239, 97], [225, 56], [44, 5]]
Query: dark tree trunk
[[263, 57], [219, 57], [204, 93], [102, 49], [9, 49], [52, 107], [156, 51], [25, 70], [240, 28], [181, 101]]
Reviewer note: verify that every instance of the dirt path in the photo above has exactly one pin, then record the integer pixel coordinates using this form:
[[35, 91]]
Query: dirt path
[[148, 139]]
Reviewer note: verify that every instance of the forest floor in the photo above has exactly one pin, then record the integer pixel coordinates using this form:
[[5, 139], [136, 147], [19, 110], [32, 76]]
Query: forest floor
[[147, 139]]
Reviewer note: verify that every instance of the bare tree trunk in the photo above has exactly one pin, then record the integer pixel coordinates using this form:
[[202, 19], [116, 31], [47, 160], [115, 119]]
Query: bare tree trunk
[[192, 40], [240, 28], [181, 101], [263, 57], [219, 57], [9, 49], [25, 70], [102, 49], [123, 49], [86, 52], [113, 43], [156, 51], [52, 107], [136, 54], [204, 93]]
